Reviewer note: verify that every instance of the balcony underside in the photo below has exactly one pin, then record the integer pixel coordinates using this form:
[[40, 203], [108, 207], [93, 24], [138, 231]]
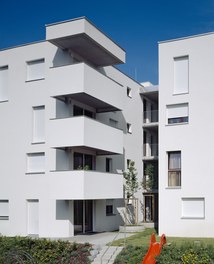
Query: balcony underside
[[87, 99]]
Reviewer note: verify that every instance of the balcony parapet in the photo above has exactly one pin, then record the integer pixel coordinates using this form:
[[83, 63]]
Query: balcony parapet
[[79, 184], [87, 85]]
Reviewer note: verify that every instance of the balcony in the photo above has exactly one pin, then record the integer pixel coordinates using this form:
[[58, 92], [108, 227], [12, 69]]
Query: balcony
[[150, 151], [87, 132], [150, 117], [85, 185], [82, 37], [87, 85]]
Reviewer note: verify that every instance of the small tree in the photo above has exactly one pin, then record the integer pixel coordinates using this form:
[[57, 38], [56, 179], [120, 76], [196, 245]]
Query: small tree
[[131, 183], [148, 182]]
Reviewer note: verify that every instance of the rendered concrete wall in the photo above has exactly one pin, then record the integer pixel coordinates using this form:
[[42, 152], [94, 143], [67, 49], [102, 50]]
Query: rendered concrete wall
[[194, 139]]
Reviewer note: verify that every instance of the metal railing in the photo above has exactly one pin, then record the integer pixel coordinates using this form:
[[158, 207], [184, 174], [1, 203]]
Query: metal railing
[[150, 116]]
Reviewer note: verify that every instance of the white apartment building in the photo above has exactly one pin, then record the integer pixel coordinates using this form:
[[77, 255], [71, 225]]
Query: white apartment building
[[186, 132], [70, 122]]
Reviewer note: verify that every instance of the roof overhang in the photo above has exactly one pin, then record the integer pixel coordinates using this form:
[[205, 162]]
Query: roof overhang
[[83, 38]]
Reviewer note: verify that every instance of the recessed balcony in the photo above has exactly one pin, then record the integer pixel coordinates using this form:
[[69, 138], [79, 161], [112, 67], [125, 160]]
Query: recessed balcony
[[86, 85], [83, 131], [150, 151], [150, 118], [85, 185]]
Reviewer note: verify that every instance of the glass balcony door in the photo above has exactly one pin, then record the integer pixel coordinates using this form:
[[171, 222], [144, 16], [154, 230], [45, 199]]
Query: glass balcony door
[[83, 216]]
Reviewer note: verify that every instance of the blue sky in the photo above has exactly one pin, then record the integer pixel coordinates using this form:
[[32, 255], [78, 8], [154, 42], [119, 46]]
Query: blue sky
[[136, 25]]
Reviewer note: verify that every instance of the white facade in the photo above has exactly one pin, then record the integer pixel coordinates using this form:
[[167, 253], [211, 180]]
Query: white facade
[[186, 136], [64, 112]]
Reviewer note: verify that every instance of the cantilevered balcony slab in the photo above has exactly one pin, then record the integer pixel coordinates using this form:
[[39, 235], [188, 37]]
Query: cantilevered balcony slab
[[83, 83], [82, 37], [85, 132], [77, 185]]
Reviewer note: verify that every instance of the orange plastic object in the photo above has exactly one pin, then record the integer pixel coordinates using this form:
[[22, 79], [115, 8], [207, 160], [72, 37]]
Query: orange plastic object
[[154, 249]]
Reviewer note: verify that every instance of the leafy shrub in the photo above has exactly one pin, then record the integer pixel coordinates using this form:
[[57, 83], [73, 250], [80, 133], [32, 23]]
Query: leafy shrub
[[43, 251], [187, 253]]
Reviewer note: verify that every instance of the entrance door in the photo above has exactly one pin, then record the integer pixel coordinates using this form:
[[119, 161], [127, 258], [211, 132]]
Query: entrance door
[[33, 217], [83, 216]]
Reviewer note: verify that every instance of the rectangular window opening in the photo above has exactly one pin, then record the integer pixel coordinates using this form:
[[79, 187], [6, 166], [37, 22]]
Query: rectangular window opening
[[4, 209], [36, 162], [178, 113], [174, 169], [193, 208], [181, 75], [36, 70], [38, 124]]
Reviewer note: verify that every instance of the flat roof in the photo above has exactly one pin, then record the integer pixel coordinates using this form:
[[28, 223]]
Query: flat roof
[[187, 37]]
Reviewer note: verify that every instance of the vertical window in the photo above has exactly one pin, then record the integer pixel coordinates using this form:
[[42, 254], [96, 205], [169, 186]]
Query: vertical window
[[129, 128], [181, 75], [178, 113], [128, 163], [129, 92], [109, 207], [36, 162], [174, 169], [4, 209], [4, 83], [38, 124], [108, 165], [36, 70]]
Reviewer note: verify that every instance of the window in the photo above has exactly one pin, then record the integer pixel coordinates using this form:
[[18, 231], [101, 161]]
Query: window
[[4, 210], [36, 162], [129, 128], [38, 124], [174, 169], [79, 111], [193, 208], [178, 113], [108, 165], [109, 207], [129, 92], [36, 70], [4, 83], [83, 161], [181, 75]]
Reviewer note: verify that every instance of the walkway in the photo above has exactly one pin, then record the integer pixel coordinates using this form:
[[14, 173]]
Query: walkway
[[101, 253]]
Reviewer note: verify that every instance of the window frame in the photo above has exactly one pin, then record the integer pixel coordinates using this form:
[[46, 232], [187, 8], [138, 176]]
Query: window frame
[[176, 171], [178, 120]]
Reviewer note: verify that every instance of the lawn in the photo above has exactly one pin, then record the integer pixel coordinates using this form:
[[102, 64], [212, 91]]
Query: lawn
[[177, 250], [143, 239]]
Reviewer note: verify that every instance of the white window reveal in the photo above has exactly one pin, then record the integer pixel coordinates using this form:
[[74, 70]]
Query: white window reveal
[[36, 162], [178, 113], [4, 83], [129, 92], [181, 75], [193, 208], [4, 209], [38, 124], [36, 70]]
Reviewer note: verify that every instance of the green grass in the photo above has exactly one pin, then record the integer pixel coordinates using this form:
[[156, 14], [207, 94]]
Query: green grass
[[143, 239]]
